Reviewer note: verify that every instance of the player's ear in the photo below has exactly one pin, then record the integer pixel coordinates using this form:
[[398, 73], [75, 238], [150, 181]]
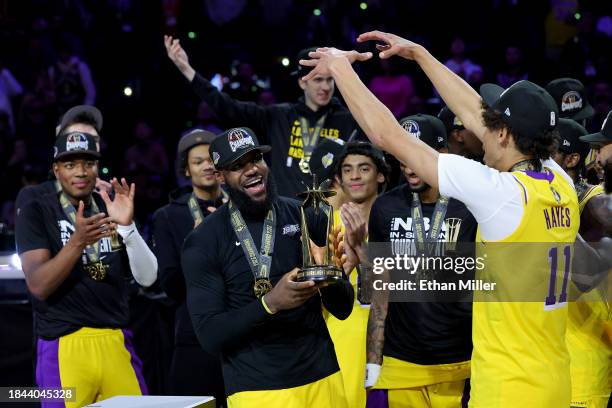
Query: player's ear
[[55, 169], [302, 83]]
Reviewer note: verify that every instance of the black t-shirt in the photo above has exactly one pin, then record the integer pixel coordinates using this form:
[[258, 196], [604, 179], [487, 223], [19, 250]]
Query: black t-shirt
[[259, 351], [79, 301], [422, 332]]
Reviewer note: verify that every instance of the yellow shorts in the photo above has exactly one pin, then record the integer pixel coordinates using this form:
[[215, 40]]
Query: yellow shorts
[[325, 393], [442, 395], [98, 363]]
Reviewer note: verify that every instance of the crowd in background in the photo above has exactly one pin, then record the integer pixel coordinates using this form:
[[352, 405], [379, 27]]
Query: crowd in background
[[56, 54]]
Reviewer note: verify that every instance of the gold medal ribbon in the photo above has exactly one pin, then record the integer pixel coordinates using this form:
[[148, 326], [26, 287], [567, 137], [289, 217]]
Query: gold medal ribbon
[[259, 261], [309, 140], [97, 269]]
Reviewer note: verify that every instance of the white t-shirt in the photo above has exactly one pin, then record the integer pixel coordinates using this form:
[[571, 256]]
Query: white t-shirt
[[494, 198]]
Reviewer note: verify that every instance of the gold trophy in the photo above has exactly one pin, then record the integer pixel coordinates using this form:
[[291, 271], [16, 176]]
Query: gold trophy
[[316, 198]]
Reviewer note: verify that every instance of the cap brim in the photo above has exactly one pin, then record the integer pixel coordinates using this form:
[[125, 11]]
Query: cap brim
[[75, 111], [584, 113], [88, 153], [490, 93], [261, 148], [595, 138]]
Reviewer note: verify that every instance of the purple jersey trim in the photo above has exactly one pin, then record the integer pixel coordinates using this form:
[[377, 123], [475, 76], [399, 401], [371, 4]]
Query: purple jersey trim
[[136, 363], [47, 369]]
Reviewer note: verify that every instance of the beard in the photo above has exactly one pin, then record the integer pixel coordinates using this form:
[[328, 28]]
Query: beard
[[250, 208], [419, 189], [608, 178]]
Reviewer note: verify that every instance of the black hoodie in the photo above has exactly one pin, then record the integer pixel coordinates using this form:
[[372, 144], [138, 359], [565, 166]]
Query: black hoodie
[[279, 126], [171, 225]]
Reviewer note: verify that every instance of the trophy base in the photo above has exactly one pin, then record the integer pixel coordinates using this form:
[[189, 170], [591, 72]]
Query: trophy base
[[320, 273]]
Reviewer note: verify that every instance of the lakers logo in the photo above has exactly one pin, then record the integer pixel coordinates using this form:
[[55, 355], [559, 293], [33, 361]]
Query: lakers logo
[[556, 194]]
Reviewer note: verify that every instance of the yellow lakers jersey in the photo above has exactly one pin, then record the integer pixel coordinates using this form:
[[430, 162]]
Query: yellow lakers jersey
[[520, 358], [349, 337], [590, 355]]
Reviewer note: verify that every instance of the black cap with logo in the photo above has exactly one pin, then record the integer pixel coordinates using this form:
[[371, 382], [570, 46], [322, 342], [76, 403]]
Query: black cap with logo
[[325, 157], [72, 116], [570, 96], [525, 107], [428, 128], [232, 144], [570, 132], [75, 143], [604, 135], [451, 122]]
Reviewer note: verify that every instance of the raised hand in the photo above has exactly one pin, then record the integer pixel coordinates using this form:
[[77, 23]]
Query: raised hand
[[89, 230], [102, 185], [178, 56], [121, 209], [322, 59], [393, 44]]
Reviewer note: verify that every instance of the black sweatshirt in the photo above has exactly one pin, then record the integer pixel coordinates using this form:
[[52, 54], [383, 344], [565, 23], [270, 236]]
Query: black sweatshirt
[[171, 225], [259, 351], [279, 126], [423, 332]]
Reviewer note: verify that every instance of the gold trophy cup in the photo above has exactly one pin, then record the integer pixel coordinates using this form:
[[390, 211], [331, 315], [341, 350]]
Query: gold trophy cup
[[316, 198]]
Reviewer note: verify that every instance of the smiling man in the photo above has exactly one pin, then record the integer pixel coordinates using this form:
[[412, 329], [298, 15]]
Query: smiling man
[[293, 129], [192, 371], [75, 267], [245, 303]]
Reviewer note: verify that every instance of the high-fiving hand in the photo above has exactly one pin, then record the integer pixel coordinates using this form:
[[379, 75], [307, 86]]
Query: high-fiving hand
[[322, 59], [393, 44]]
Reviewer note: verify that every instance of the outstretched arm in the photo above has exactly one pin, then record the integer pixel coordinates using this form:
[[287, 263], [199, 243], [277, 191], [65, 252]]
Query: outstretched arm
[[373, 117], [178, 56], [460, 97], [229, 111]]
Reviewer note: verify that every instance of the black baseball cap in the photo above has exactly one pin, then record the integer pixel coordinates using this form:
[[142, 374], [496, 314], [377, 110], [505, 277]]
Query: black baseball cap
[[428, 128], [324, 158], [71, 116], [525, 107], [301, 70], [604, 135], [570, 132], [451, 122], [75, 143], [232, 144], [570, 96]]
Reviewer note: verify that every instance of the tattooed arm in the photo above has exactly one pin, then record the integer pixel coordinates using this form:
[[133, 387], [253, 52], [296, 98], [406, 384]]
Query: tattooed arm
[[376, 333]]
